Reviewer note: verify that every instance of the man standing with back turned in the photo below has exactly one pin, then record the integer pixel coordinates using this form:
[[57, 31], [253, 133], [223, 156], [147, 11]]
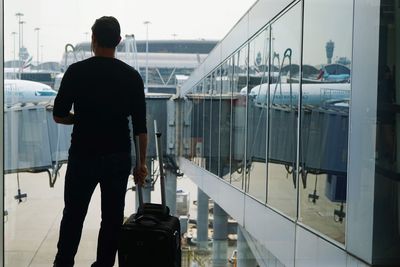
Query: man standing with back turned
[[104, 92]]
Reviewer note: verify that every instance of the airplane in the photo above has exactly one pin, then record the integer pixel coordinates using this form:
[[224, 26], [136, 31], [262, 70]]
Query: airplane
[[23, 92], [313, 94], [326, 76]]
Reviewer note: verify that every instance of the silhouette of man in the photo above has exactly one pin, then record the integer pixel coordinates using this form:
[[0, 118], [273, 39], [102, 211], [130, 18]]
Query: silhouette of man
[[104, 92]]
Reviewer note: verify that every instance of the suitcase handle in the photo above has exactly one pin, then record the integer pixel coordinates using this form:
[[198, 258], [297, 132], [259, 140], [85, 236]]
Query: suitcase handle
[[160, 162]]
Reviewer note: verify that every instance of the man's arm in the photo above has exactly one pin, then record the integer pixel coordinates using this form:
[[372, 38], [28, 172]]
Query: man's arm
[[140, 172], [65, 99], [140, 128], [143, 147], [68, 120]]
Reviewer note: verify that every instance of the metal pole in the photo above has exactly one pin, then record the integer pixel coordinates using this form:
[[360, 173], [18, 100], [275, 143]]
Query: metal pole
[[147, 55], [19, 15], [22, 45], [22, 32], [160, 163], [14, 33], [37, 52]]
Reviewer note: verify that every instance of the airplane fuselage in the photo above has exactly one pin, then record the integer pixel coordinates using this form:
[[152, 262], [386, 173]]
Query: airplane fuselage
[[22, 91], [318, 94]]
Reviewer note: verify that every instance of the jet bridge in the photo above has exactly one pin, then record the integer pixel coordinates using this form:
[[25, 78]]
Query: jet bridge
[[35, 143]]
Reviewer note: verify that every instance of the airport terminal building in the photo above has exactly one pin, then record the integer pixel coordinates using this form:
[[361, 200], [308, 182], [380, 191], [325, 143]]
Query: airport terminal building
[[166, 60], [289, 127]]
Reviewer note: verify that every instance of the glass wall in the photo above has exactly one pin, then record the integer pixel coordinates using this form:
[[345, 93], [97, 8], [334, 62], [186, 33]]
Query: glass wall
[[283, 111], [187, 129], [207, 113], [215, 93], [239, 113], [226, 119], [327, 52], [287, 151], [197, 125], [256, 182]]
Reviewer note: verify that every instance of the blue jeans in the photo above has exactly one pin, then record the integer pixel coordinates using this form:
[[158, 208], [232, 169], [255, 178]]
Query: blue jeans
[[83, 174]]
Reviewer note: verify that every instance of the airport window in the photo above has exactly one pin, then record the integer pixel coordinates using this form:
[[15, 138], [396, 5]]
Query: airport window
[[187, 129], [325, 117], [283, 107], [181, 47], [226, 119], [197, 125], [239, 112], [256, 181], [206, 99], [294, 162], [215, 93]]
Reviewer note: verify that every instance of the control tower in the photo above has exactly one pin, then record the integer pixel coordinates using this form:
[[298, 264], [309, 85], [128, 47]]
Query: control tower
[[330, 46]]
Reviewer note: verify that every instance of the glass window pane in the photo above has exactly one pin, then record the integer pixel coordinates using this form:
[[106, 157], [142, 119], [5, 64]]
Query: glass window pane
[[215, 94], [256, 180], [226, 118], [325, 116], [239, 103], [197, 125], [187, 128], [207, 121], [283, 107]]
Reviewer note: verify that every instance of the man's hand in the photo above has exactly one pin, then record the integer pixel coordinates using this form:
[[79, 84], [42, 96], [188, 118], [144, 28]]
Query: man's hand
[[139, 174], [67, 120]]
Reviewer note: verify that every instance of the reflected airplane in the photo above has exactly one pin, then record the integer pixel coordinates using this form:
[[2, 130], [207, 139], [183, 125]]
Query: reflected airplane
[[325, 76], [23, 92], [322, 94]]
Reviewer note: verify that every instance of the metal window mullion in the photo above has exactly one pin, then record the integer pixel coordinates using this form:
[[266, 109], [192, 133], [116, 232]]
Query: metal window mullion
[[219, 123], [210, 124], [246, 122], [267, 117], [231, 120], [299, 118], [204, 120]]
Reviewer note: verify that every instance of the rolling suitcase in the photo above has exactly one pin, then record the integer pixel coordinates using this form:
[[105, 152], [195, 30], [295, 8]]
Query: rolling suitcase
[[151, 237]]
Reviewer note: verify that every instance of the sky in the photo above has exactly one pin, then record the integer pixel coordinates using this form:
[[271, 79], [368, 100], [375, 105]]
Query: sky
[[69, 21]]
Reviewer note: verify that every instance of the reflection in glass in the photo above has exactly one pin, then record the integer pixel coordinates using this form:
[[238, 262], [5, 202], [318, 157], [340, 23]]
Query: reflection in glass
[[283, 107], [215, 93], [187, 129], [226, 119], [197, 125], [239, 104], [387, 162], [256, 180], [207, 121], [325, 116]]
